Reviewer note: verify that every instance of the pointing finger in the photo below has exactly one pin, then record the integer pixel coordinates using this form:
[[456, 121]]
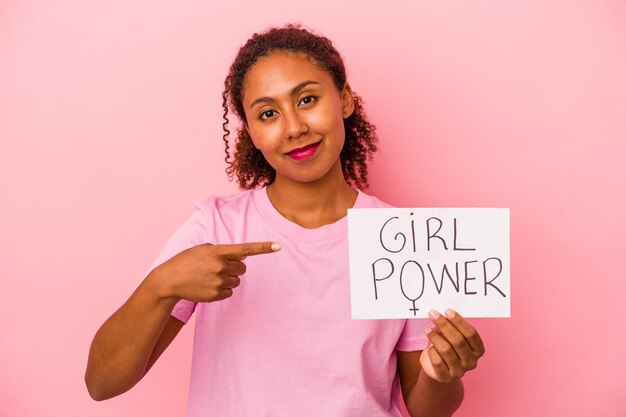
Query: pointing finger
[[242, 250]]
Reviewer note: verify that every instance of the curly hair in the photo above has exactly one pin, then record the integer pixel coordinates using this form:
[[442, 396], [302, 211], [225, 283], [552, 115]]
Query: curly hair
[[248, 163]]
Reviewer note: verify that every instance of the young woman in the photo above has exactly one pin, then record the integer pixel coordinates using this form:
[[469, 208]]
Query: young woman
[[266, 271]]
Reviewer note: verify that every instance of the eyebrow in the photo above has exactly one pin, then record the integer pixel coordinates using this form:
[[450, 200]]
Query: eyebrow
[[294, 91]]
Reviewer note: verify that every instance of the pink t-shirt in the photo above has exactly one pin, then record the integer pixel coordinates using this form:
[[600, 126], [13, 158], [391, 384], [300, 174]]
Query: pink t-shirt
[[285, 344]]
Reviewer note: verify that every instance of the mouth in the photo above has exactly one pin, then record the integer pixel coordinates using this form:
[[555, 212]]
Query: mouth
[[304, 152]]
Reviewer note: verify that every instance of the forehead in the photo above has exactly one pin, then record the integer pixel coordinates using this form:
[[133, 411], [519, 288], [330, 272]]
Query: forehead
[[276, 74]]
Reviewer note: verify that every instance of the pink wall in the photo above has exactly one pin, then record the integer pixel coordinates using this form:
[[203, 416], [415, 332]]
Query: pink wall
[[110, 130]]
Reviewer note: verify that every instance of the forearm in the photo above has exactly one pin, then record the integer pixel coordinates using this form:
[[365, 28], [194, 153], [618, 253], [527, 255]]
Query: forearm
[[122, 347], [430, 398]]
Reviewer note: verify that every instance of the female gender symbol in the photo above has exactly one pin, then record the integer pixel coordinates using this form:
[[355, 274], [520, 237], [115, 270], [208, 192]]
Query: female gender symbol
[[420, 284]]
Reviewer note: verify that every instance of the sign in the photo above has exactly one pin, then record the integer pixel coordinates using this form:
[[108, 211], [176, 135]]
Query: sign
[[407, 261]]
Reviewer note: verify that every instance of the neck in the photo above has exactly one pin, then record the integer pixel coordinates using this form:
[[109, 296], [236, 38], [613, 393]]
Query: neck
[[315, 204]]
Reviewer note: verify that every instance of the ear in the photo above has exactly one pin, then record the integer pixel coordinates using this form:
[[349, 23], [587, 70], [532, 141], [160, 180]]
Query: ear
[[347, 100], [245, 126]]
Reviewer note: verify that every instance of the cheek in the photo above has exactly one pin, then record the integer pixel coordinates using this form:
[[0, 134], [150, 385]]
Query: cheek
[[328, 121], [264, 136]]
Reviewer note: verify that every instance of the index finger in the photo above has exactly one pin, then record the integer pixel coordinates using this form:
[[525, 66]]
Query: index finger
[[467, 330], [239, 251]]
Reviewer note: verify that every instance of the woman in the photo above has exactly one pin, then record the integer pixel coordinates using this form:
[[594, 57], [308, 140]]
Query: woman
[[266, 271]]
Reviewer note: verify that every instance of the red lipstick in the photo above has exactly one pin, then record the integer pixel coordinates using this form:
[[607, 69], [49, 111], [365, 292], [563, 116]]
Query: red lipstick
[[304, 152]]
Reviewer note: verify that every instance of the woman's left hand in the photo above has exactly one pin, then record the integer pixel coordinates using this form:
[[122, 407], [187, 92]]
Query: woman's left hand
[[455, 347]]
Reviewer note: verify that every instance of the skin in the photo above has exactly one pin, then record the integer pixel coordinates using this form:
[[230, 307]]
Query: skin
[[133, 338], [289, 103], [431, 379]]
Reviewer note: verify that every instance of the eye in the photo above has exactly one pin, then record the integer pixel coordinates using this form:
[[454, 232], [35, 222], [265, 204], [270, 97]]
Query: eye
[[308, 100], [267, 114]]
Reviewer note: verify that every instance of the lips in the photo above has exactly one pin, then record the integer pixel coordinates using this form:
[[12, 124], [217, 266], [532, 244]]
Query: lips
[[304, 152]]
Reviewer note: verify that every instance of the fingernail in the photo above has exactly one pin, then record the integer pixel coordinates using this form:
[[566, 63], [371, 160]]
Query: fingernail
[[434, 314], [428, 330], [450, 313], [275, 246]]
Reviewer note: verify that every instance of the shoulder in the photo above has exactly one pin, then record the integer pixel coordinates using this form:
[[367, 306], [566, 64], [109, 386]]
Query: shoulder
[[234, 203], [227, 217]]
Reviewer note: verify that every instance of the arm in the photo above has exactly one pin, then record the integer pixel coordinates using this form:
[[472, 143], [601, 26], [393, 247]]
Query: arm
[[131, 341], [431, 379], [423, 395], [133, 338]]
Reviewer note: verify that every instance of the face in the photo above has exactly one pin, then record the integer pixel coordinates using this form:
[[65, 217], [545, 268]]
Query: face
[[295, 116]]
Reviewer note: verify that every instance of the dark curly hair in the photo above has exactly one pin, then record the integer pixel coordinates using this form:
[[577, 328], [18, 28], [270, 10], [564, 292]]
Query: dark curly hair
[[248, 163]]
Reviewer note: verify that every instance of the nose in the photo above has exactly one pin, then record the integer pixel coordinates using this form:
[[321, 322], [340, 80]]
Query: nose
[[295, 126]]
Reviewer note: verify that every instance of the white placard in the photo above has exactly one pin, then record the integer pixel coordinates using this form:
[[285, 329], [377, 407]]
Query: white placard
[[406, 261]]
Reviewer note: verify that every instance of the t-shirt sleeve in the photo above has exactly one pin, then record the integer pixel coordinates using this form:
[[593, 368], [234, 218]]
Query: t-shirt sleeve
[[413, 336], [193, 232]]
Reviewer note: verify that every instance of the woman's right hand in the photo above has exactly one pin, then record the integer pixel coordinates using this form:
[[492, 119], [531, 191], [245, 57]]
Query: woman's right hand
[[133, 338], [207, 272]]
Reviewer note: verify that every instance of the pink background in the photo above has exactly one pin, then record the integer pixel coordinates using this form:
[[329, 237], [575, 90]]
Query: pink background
[[110, 130]]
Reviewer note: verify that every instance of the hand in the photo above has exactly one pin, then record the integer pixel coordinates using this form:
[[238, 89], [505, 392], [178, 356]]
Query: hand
[[455, 347], [207, 272]]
